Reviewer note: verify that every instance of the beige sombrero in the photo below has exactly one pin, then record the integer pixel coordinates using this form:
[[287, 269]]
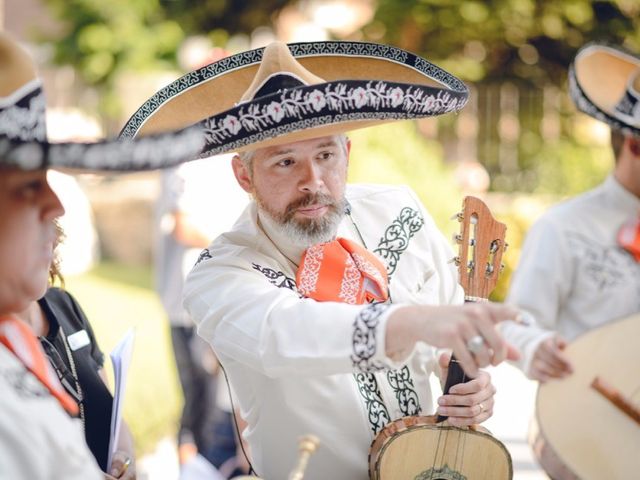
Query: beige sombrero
[[604, 82], [284, 93], [23, 137]]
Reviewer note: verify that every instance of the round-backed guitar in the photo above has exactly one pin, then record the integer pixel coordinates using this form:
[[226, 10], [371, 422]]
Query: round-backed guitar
[[588, 424], [427, 447]]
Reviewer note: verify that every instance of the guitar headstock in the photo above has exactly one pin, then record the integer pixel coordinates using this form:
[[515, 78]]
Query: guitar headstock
[[482, 244]]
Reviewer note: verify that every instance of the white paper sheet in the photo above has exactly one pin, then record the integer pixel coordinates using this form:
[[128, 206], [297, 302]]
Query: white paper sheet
[[120, 359]]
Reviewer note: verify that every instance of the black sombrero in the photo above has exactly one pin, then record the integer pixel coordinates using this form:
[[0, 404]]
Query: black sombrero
[[604, 82], [285, 93], [23, 138]]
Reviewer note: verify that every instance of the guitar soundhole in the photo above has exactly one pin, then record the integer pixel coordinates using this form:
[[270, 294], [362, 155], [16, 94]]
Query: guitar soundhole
[[440, 473]]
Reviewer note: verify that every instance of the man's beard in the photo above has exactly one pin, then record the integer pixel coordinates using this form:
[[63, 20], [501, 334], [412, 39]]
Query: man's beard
[[308, 231]]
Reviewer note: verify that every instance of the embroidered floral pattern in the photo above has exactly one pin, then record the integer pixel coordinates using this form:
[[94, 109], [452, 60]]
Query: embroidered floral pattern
[[606, 267], [377, 412], [276, 278], [396, 238], [402, 384], [364, 338], [365, 266], [350, 285], [335, 98], [310, 270]]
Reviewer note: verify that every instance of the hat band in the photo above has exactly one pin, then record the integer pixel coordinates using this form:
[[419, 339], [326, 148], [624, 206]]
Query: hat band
[[318, 105]]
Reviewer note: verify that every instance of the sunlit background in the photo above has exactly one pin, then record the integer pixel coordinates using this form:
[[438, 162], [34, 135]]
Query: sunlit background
[[519, 144]]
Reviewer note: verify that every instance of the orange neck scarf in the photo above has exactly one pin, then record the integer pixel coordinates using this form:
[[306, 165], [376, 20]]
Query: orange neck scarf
[[629, 237], [342, 271], [21, 341]]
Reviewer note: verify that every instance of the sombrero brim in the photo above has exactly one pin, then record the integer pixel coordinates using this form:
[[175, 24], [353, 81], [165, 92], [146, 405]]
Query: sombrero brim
[[118, 155], [365, 84], [23, 142], [598, 80]]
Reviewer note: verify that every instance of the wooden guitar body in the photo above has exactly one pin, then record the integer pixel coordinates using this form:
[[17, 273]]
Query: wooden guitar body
[[415, 448], [581, 433]]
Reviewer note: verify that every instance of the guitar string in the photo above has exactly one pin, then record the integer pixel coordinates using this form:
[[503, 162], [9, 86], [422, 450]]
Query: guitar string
[[460, 445]]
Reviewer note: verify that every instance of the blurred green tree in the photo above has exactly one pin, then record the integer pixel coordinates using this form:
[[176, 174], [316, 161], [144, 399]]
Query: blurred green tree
[[532, 41], [103, 39]]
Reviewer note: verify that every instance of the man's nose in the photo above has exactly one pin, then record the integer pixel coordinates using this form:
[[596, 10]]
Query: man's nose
[[311, 181], [53, 206]]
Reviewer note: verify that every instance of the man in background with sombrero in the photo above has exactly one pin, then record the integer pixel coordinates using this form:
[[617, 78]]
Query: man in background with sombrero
[[579, 267], [326, 303]]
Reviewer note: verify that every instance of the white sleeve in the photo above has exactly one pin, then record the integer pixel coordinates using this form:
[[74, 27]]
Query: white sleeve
[[539, 286], [272, 330]]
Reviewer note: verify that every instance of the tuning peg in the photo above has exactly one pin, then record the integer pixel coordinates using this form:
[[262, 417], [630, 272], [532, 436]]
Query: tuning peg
[[459, 216], [504, 248], [457, 238], [501, 267], [455, 260]]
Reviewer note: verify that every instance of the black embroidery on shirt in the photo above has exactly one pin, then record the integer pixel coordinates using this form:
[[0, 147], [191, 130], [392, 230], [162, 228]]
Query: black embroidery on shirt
[[377, 413], [276, 278], [204, 255], [364, 338], [605, 266], [391, 246], [402, 384], [396, 237]]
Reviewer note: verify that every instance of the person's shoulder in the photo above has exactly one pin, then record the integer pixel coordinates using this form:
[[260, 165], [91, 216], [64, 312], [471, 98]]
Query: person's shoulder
[[571, 210], [59, 296]]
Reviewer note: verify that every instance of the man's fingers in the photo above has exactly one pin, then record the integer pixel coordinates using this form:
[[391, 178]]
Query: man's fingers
[[551, 355], [494, 340], [444, 359], [464, 357], [500, 312], [477, 385]]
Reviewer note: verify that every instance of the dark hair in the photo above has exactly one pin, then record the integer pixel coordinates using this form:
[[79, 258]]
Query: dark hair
[[617, 141], [54, 269]]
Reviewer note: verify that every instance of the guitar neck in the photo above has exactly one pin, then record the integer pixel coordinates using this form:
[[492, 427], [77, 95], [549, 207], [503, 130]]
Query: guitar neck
[[481, 242]]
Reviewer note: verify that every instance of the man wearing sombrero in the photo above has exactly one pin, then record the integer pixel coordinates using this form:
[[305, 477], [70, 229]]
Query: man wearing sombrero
[[39, 434], [579, 266], [325, 303]]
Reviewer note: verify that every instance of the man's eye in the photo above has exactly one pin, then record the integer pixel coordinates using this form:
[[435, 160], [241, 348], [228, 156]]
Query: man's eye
[[31, 189], [326, 155], [285, 163]]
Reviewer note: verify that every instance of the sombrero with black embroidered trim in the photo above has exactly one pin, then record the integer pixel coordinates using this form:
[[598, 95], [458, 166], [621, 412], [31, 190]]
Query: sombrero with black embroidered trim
[[604, 82], [285, 93], [23, 138]]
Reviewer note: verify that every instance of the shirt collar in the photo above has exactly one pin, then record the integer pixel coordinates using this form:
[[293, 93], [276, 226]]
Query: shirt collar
[[621, 198]]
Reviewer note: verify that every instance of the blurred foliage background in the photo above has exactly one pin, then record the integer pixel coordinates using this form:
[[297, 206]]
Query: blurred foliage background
[[519, 143]]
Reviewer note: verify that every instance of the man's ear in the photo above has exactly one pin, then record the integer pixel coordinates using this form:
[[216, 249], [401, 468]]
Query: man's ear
[[243, 176]]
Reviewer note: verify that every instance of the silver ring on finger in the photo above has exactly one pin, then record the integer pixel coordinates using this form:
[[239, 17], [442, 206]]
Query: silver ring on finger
[[475, 344]]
